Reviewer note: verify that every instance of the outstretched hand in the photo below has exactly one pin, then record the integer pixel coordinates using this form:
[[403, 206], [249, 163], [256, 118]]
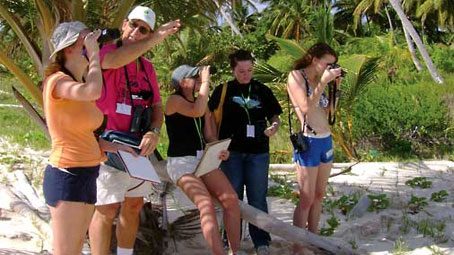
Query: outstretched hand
[[167, 29]]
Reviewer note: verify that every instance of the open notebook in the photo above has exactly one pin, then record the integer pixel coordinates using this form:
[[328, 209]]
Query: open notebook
[[139, 167], [210, 158]]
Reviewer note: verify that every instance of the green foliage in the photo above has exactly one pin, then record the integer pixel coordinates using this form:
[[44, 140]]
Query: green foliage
[[378, 202], [416, 204], [420, 182], [346, 202], [404, 120], [283, 190], [439, 196], [333, 223]]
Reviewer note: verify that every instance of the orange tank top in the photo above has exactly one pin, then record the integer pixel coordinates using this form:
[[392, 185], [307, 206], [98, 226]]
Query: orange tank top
[[71, 125]]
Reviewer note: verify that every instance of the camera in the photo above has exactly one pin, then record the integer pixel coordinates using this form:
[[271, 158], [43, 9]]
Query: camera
[[334, 66], [109, 34]]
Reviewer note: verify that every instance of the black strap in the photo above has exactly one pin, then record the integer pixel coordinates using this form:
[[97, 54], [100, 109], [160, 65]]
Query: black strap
[[128, 83], [332, 92]]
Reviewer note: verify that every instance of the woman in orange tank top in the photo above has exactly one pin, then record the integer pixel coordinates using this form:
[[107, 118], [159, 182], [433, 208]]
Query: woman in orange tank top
[[73, 83]]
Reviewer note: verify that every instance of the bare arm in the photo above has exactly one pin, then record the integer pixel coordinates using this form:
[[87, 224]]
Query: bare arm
[[177, 103], [150, 139], [128, 53], [89, 90], [210, 130]]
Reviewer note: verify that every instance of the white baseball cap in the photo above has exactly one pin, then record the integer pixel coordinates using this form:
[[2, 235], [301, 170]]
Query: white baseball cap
[[65, 35], [145, 14]]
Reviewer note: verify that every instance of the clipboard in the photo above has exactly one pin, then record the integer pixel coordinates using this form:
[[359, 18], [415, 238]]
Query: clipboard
[[139, 167], [210, 158]]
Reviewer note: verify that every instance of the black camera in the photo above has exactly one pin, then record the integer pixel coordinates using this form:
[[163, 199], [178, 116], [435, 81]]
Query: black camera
[[141, 119], [299, 142], [335, 65], [109, 34]]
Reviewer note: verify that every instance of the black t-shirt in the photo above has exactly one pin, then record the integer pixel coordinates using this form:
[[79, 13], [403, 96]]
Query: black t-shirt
[[184, 139], [262, 105]]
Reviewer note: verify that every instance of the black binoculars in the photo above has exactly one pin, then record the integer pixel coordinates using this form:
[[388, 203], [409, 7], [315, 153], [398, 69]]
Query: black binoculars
[[109, 34]]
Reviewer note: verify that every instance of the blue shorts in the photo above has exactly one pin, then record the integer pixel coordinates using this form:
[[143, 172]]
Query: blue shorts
[[320, 151], [77, 184]]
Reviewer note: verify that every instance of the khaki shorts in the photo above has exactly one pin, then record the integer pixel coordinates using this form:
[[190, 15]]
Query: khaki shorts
[[114, 185], [179, 166]]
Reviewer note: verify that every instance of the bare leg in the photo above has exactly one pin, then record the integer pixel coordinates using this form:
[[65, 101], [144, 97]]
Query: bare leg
[[128, 222], [306, 177], [220, 188], [101, 228], [324, 171], [196, 190], [70, 221]]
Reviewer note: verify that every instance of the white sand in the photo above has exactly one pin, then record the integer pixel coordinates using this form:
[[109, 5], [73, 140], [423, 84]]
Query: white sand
[[373, 233]]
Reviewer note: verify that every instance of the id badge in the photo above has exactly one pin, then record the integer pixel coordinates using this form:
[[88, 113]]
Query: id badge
[[123, 109], [199, 154], [250, 131]]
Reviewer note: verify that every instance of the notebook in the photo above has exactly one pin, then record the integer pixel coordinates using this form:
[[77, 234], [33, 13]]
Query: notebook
[[210, 158], [139, 167]]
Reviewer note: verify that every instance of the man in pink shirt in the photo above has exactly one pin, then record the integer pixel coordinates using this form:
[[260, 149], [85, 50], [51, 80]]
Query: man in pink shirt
[[130, 88]]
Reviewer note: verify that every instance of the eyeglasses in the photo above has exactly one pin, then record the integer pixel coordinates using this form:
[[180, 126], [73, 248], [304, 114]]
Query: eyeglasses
[[143, 30]]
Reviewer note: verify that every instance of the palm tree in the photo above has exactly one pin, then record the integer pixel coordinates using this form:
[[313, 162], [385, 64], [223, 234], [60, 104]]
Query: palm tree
[[414, 35], [288, 18], [441, 10]]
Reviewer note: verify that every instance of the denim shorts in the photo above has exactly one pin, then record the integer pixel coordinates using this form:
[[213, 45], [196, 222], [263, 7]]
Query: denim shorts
[[76, 184], [320, 151]]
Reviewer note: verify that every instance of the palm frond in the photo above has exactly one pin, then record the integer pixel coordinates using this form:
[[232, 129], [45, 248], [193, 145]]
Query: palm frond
[[291, 47], [266, 73]]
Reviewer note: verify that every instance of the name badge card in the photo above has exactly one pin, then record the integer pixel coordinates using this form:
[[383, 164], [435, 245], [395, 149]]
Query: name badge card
[[123, 108], [250, 131]]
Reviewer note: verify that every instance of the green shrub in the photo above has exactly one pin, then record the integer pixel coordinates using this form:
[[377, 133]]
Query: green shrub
[[404, 120]]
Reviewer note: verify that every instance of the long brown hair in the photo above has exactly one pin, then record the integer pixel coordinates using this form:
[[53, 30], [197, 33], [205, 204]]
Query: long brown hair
[[316, 51], [56, 65]]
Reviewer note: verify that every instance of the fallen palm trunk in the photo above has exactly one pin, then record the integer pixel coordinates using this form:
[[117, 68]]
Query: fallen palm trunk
[[12, 202], [289, 232]]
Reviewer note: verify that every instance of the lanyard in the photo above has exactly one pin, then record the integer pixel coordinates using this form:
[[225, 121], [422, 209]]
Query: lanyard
[[245, 103], [198, 127]]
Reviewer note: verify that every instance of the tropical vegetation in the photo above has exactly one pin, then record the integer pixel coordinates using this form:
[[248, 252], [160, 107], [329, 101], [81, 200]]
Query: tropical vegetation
[[397, 99]]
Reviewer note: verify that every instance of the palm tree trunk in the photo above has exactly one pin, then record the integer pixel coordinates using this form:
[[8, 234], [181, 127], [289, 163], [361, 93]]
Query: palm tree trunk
[[228, 19], [391, 28], [411, 48], [411, 30]]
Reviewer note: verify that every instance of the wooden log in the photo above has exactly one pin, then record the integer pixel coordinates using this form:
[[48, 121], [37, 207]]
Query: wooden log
[[290, 232], [27, 193], [9, 201]]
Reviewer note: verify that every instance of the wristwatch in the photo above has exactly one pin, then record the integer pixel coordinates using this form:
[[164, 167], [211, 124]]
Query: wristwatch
[[155, 130]]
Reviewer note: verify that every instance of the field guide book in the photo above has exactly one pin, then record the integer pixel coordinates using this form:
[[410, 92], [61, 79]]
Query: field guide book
[[210, 158]]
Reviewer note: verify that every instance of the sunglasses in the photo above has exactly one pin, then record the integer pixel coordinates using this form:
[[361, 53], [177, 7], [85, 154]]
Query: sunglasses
[[143, 30]]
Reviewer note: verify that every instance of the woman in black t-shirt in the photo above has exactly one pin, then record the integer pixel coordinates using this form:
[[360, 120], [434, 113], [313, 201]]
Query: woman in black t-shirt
[[189, 125], [250, 116]]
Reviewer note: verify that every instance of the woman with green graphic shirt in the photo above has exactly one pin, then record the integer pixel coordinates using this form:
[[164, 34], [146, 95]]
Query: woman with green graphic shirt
[[250, 117], [189, 127]]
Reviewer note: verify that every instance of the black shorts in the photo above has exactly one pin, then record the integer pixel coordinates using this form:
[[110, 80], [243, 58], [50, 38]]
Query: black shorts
[[76, 184]]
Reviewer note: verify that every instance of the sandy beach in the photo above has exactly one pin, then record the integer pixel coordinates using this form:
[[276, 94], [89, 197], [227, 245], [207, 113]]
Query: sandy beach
[[400, 228]]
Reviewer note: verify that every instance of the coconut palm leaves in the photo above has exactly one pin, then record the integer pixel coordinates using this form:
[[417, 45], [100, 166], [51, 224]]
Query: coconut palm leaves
[[361, 72]]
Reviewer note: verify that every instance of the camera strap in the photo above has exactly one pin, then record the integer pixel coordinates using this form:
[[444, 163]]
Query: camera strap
[[333, 100], [128, 83]]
